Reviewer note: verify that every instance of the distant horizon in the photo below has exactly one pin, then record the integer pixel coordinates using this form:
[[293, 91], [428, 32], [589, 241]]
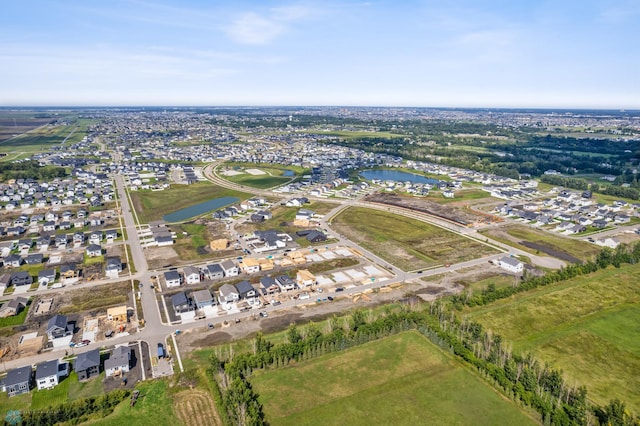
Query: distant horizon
[[167, 106]]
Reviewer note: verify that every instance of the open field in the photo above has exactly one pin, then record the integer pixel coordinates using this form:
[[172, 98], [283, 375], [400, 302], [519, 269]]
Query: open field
[[44, 137], [460, 196], [153, 205], [402, 379], [283, 218], [535, 241], [154, 407], [407, 243], [51, 397], [195, 408], [350, 134], [587, 326], [258, 181]]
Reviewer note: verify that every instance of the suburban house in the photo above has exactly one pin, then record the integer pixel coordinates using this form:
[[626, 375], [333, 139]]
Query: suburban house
[[59, 331], [203, 299], [285, 283], [13, 261], [111, 235], [87, 364], [13, 307], [68, 271], [118, 362], [5, 281], [114, 265], [18, 380], [191, 274], [214, 271], [250, 265], [34, 259], [93, 250], [49, 373], [230, 269], [172, 279], [21, 278], [46, 276], [246, 290], [229, 293], [312, 235], [269, 285], [181, 303], [511, 264]]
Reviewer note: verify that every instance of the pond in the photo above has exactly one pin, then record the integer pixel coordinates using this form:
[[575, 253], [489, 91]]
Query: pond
[[397, 176], [288, 173], [199, 209]]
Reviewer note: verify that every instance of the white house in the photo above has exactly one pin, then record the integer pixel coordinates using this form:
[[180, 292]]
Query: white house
[[48, 373], [172, 279], [511, 264], [191, 274], [230, 269]]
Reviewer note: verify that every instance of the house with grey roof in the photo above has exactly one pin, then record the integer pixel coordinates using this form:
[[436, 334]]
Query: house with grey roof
[[49, 373], [511, 264], [87, 364], [119, 361], [18, 380]]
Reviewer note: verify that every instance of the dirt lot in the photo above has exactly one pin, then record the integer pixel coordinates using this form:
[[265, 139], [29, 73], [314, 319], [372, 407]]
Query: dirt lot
[[448, 212]]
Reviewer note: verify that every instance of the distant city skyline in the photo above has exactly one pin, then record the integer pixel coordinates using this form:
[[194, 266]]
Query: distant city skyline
[[485, 53]]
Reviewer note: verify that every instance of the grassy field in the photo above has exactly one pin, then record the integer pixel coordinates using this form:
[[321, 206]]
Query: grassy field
[[351, 134], [402, 379], [51, 397], [154, 407], [407, 243], [44, 137], [587, 326], [257, 181], [153, 205], [464, 195], [283, 217], [548, 242]]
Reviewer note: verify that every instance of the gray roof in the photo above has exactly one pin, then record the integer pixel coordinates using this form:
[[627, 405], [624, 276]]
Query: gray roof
[[202, 296], [119, 357], [227, 264], [46, 369], [18, 375], [228, 289], [215, 268], [179, 299], [244, 287], [189, 270], [59, 321], [87, 360], [510, 261]]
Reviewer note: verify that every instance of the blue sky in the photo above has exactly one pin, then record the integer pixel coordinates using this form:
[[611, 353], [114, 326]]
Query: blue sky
[[398, 53]]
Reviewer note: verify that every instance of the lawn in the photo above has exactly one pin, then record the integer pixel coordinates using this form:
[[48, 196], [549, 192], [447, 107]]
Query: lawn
[[15, 319], [153, 205], [51, 397], [407, 243], [587, 326], [154, 407], [85, 389], [540, 242], [257, 181], [402, 379]]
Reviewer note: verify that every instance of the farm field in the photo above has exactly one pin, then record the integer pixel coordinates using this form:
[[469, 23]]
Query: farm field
[[539, 242], [153, 205], [401, 379], [407, 243], [43, 137], [587, 326], [258, 181]]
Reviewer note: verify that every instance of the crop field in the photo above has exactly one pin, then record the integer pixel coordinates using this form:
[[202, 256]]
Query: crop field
[[407, 243], [540, 242], [43, 137], [195, 408], [153, 205], [587, 326], [402, 379]]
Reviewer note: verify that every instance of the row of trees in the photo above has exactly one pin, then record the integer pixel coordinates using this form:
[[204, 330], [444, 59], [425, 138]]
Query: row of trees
[[520, 377], [77, 411], [582, 184], [606, 257], [29, 170]]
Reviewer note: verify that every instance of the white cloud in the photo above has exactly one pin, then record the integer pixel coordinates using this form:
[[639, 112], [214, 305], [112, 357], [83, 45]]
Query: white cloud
[[260, 29], [252, 28]]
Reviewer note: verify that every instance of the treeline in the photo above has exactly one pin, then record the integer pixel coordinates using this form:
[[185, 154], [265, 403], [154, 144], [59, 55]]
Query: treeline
[[606, 257], [29, 170], [582, 184], [75, 412], [521, 378]]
